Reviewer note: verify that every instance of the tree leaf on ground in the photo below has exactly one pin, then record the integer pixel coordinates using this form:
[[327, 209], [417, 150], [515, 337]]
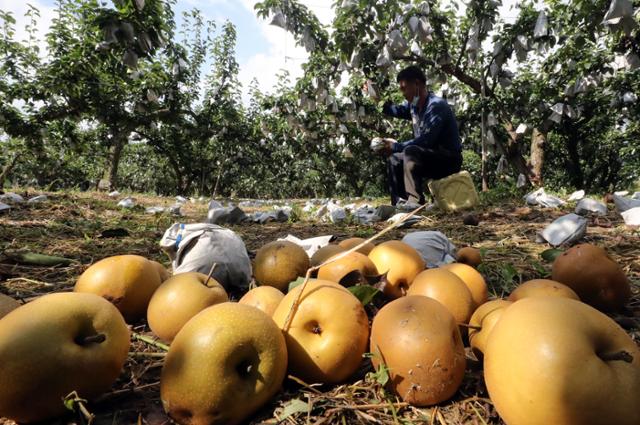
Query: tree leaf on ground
[[299, 281], [293, 407], [551, 254], [38, 259], [364, 293]]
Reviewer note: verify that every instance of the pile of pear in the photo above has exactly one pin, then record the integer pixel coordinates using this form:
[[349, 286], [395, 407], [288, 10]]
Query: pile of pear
[[549, 351]]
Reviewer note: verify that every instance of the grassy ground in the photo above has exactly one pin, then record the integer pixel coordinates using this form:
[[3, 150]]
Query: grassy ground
[[70, 225]]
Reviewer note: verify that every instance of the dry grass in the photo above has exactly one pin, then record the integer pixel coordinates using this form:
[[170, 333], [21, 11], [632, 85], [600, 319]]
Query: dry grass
[[69, 225]]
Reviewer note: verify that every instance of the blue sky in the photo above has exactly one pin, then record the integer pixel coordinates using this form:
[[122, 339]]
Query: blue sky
[[262, 50]]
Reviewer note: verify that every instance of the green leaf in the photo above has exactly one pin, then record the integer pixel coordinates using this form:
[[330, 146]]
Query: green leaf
[[299, 281], [364, 293], [293, 407], [551, 254]]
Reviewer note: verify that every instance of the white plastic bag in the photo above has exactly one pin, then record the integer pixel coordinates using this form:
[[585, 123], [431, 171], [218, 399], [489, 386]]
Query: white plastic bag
[[541, 198], [311, 245], [11, 197], [434, 247], [577, 195], [623, 204], [195, 247], [565, 230], [4, 207], [631, 216], [230, 215], [39, 198], [588, 205], [127, 203]]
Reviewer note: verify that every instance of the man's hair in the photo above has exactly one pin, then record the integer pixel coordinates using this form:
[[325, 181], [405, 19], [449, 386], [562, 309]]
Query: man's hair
[[412, 73]]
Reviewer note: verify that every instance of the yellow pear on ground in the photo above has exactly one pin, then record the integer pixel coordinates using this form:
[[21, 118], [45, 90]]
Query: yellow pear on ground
[[446, 288], [162, 270], [482, 322], [279, 263], [179, 299], [542, 288], [224, 364], [554, 360], [419, 342], [328, 331], [596, 278], [353, 242], [401, 263], [265, 298], [473, 279], [353, 268], [324, 253], [57, 344], [127, 281]]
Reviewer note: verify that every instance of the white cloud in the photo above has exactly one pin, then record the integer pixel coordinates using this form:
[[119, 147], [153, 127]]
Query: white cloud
[[282, 54]]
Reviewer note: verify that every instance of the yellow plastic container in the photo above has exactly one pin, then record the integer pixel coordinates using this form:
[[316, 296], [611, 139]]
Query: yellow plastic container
[[455, 192]]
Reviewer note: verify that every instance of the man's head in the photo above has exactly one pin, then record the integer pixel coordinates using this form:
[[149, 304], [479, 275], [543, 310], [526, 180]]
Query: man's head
[[412, 82]]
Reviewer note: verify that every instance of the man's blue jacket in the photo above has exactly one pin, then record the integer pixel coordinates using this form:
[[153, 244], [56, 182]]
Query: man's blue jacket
[[435, 128]]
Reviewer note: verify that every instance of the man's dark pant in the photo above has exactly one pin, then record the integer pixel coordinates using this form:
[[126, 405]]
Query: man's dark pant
[[409, 170]]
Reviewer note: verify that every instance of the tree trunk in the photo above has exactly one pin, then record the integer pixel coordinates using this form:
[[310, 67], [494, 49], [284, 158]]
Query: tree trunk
[[115, 154], [8, 168], [511, 151], [538, 140], [576, 174]]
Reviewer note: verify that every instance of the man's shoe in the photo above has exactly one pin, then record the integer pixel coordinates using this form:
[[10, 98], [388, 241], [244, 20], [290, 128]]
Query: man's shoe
[[403, 205]]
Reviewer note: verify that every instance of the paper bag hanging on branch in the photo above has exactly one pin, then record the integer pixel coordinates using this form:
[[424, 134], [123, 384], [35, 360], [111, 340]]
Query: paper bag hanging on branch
[[542, 25], [397, 44]]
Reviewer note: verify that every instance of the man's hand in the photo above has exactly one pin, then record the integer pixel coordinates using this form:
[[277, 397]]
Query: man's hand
[[387, 150], [382, 146]]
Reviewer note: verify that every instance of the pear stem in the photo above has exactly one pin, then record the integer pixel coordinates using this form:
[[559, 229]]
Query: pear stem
[[296, 302], [466, 325], [150, 341], [620, 355], [213, 267], [93, 338]]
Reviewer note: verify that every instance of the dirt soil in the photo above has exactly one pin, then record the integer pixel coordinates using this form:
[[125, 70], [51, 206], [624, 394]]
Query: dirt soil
[[71, 225]]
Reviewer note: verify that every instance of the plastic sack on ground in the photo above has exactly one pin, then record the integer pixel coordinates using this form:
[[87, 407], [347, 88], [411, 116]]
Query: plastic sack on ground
[[11, 197], [540, 197], [588, 205], [230, 215], [127, 203], [623, 203], [577, 195], [39, 198], [631, 216], [195, 247], [4, 207], [337, 214], [565, 230], [434, 247], [310, 245], [399, 216]]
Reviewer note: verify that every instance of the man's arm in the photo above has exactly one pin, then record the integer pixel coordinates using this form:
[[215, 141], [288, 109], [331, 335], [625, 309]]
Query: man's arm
[[397, 111], [434, 123]]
